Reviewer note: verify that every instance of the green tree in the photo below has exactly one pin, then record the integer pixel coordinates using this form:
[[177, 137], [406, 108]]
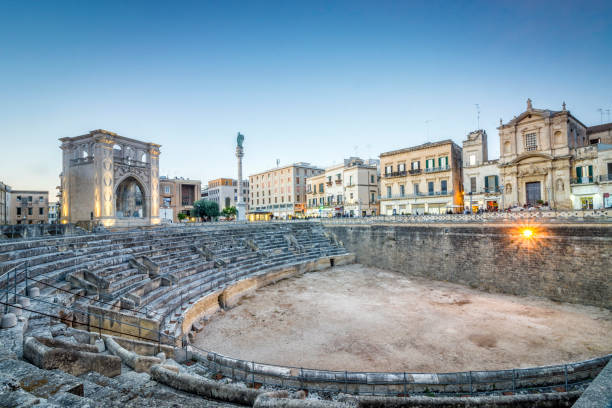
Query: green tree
[[205, 209], [181, 216], [230, 211]]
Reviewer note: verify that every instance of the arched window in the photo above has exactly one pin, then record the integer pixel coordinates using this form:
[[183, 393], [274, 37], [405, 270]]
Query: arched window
[[130, 201], [117, 151]]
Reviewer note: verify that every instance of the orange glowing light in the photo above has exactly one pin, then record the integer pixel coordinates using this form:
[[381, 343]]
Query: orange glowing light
[[527, 233]]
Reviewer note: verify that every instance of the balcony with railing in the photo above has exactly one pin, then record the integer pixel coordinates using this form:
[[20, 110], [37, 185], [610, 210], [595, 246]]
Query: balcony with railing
[[129, 162], [485, 191], [436, 169], [583, 180], [417, 195], [415, 171], [605, 178], [395, 174]]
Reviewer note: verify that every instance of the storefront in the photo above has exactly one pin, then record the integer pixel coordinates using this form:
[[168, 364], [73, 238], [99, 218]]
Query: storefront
[[259, 216]]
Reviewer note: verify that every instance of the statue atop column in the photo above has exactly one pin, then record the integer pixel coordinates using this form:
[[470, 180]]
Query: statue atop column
[[240, 204]]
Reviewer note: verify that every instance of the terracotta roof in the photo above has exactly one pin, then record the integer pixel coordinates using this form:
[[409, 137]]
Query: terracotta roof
[[599, 128]]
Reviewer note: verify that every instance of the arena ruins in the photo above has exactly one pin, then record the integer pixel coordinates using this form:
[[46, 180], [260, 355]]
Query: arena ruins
[[175, 315]]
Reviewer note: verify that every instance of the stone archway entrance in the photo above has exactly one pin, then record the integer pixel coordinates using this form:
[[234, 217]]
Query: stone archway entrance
[[533, 190], [130, 199]]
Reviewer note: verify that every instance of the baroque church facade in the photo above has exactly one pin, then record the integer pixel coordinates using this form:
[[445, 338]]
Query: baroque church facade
[[537, 150]]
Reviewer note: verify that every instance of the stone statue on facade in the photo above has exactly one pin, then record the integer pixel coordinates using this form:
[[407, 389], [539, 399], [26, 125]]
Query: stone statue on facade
[[240, 139]]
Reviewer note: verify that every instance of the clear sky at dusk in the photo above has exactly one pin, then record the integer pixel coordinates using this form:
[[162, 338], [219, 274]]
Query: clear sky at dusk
[[304, 81]]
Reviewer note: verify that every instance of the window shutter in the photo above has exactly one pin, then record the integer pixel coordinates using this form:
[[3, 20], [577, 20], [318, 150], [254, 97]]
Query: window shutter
[[590, 171], [446, 161], [427, 163], [579, 172], [439, 162], [496, 182], [486, 183]]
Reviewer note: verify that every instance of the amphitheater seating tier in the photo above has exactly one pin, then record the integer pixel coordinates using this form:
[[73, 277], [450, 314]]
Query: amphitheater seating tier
[[160, 271]]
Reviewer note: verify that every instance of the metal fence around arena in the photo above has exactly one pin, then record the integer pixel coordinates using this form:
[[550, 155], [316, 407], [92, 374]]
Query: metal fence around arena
[[561, 377]]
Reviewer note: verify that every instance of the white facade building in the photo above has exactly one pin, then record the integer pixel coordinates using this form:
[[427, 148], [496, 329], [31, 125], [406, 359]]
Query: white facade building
[[591, 182], [54, 213], [224, 191], [349, 189], [481, 186]]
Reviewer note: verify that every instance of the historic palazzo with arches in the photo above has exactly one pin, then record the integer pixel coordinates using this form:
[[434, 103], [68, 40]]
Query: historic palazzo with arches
[[109, 179]]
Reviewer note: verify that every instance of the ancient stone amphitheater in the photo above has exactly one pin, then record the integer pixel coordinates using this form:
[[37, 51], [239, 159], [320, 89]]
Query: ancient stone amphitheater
[[108, 319]]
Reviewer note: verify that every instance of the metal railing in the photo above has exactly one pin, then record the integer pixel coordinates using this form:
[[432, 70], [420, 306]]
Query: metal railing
[[359, 383], [417, 195], [582, 180], [605, 178], [599, 216], [435, 169], [313, 380]]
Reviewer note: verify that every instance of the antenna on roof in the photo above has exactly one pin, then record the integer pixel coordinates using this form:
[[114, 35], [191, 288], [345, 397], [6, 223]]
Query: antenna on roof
[[477, 116], [608, 113], [600, 114]]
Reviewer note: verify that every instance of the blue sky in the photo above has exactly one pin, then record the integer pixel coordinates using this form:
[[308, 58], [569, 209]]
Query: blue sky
[[304, 81]]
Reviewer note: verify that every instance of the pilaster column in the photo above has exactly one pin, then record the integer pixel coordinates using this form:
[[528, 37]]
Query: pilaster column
[[104, 180], [154, 184]]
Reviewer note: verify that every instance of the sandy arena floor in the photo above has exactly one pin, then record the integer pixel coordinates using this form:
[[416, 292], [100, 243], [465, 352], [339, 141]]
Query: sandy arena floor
[[358, 318]]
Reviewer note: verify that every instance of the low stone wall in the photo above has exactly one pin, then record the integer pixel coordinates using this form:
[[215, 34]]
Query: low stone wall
[[38, 230], [145, 349], [79, 359], [204, 387], [397, 384], [138, 363], [566, 262], [545, 400], [115, 323]]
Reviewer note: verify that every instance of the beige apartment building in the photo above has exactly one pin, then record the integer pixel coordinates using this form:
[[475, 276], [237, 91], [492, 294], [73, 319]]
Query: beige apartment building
[[347, 189], [29, 207], [422, 179], [281, 191], [176, 196], [5, 196]]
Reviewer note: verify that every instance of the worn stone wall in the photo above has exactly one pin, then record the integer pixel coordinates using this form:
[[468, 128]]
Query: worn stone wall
[[568, 262]]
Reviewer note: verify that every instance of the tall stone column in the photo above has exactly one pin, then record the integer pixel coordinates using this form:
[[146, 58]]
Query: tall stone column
[[240, 205]]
